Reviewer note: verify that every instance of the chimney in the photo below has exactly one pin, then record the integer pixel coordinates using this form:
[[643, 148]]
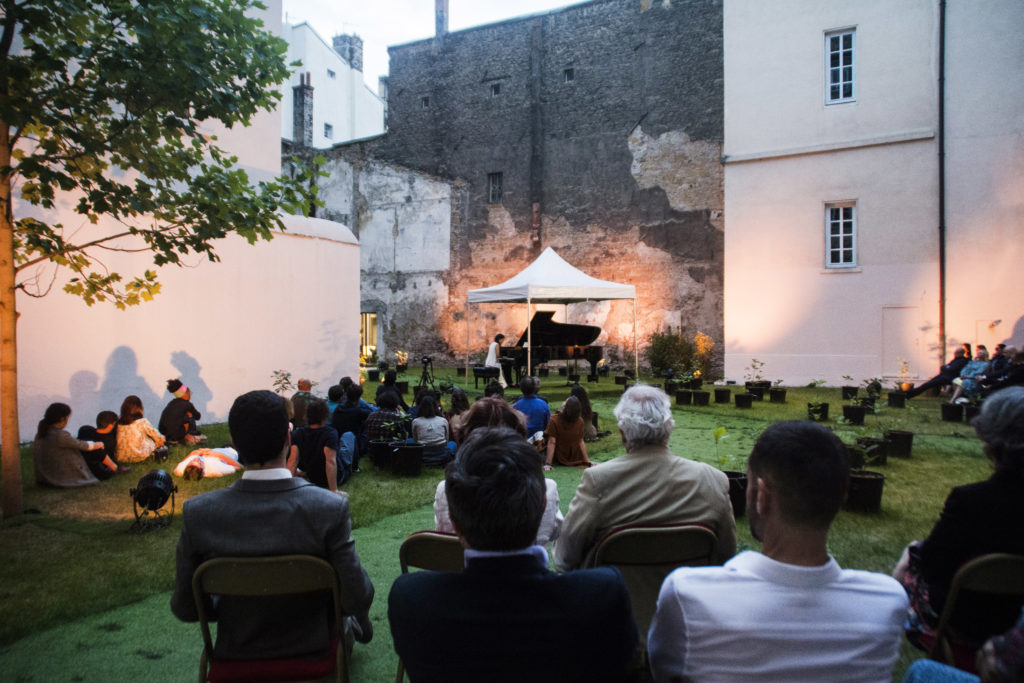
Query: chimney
[[350, 47], [302, 112], [440, 18]]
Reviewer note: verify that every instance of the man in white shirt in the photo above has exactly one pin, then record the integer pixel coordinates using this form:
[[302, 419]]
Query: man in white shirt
[[789, 613]]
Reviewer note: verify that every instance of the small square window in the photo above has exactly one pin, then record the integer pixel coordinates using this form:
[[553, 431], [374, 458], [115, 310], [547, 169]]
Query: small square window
[[424, 102], [495, 89], [331, 74], [328, 131], [840, 235], [494, 189], [568, 76]]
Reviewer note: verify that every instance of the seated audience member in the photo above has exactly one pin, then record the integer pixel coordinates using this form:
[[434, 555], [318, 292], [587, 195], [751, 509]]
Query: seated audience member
[[102, 462], [968, 385], [345, 383], [317, 450], [565, 437], [999, 364], [532, 406], [56, 455], [456, 414], [507, 617], [1013, 377], [136, 437], [1000, 660], [390, 384], [497, 413], [386, 424], [268, 512], [432, 430], [335, 395], [586, 412], [977, 519], [494, 389], [947, 373], [178, 420], [350, 416], [789, 613], [299, 400], [649, 485]]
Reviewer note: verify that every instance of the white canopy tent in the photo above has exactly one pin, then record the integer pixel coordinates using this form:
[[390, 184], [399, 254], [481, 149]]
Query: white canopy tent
[[550, 279]]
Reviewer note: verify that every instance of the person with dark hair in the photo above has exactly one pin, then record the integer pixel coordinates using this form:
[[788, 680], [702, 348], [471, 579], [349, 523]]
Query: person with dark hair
[[431, 429], [178, 419], [493, 356], [947, 373], [490, 412], [136, 437], [335, 395], [350, 417], [586, 412], [532, 406], [789, 613], [102, 463], [318, 451], [299, 400], [507, 617], [347, 382], [456, 413], [390, 385], [267, 512], [1012, 377], [386, 424], [56, 455], [494, 389], [565, 437], [977, 519]]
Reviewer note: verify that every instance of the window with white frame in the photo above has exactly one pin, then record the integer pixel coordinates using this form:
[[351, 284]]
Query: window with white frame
[[841, 235], [328, 131], [839, 65], [495, 89], [494, 190]]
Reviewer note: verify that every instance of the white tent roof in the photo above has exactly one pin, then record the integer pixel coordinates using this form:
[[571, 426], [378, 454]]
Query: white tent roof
[[550, 278]]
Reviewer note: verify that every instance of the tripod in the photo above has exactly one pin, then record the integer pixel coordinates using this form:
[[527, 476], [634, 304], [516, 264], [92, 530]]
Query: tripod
[[427, 376]]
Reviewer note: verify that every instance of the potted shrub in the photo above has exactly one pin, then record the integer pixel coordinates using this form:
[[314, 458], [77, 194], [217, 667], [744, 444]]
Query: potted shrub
[[723, 395], [381, 455], [737, 492], [701, 398], [756, 391], [897, 399], [848, 390], [373, 375], [777, 394], [817, 412], [903, 382], [408, 458], [854, 414], [744, 400], [855, 454], [876, 451], [900, 442], [621, 379], [865, 491], [543, 372], [684, 397]]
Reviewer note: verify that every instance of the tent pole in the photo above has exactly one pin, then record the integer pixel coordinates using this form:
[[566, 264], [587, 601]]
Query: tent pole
[[529, 337], [636, 357], [466, 378]]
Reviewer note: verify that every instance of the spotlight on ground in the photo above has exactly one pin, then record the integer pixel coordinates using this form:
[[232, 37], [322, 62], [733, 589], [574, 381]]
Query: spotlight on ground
[[149, 497]]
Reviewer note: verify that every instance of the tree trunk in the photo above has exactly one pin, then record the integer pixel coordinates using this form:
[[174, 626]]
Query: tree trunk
[[9, 440]]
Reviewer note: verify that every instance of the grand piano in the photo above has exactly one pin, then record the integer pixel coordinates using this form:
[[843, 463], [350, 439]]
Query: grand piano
[[552, 341]]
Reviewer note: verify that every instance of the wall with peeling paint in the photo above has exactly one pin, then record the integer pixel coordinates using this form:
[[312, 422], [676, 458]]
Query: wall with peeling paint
[[617, 168]]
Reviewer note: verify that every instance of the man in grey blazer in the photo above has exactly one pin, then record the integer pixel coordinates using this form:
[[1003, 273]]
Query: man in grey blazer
[[269, 512]]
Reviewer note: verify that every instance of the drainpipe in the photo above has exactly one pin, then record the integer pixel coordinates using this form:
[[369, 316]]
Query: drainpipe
[[942, 181]]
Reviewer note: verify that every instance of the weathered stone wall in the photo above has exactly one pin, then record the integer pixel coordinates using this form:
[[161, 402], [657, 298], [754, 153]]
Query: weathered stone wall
[[617, 168]]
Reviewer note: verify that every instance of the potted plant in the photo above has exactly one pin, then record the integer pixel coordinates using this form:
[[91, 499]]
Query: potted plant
[[373, 375], [817, 412], [684, 397], [735, 468], [865, 491], [408, 460], [777, 394], [952, 412], [756, 391], [723, 395], [897, 398], [900, 442], [972, 409], [848, 390], [854, 414], [903, 382], [543, 372], [876, 451], [401, 361], [754, 378], [701, 398], [621, 379], [745, 400]]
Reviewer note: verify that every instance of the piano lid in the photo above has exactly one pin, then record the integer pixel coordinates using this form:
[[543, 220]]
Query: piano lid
[[546, 332]]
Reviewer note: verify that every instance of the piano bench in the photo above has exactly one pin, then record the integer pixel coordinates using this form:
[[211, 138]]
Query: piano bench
[[484, 372]]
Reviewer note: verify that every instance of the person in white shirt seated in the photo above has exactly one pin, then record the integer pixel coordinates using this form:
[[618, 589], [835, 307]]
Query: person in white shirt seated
[[788, 613]]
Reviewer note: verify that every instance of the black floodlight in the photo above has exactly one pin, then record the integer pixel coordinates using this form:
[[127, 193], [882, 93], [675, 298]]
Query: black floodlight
[[149, 497]]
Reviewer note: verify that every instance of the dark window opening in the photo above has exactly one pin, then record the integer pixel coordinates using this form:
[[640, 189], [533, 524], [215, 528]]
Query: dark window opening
[[494, 190]]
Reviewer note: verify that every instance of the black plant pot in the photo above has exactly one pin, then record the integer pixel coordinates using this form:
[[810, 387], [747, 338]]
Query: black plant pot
[[403, 387], [865, 491], [621, 379], [574, 379], [777, 395], [876, 451], [591, 378], [849, 392], [603, 370], [817, 412], [383, 366], [701, 398], [723, 395], [684, 397], [897, 399], [401, 367], [952, 412], [854, 414], [744, 400], [971, 411], [373, 375], [900, 442], [382, 455], [737, 492], [866, 401], [672, 387], [460, 372], [756, 392], [696, 384], [543, 372], [408, 458]]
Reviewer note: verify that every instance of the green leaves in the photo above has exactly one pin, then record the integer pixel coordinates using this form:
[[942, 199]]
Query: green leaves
[[106, 101]]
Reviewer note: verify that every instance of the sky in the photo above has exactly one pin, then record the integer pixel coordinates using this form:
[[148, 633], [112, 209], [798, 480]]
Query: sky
[[381, 23]]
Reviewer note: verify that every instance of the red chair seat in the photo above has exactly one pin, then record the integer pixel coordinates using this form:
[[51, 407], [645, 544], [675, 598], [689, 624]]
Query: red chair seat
[[267, 670]]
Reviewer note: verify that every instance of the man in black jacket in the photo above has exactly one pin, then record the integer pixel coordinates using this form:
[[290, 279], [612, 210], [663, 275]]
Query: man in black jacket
[[947, 373]]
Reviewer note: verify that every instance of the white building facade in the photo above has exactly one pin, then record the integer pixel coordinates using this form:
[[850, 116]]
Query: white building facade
[[344, 107], [832, 193]]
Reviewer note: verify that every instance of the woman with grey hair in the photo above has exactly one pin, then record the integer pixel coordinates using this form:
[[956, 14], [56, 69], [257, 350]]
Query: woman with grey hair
[[645, 416], [978, 519]]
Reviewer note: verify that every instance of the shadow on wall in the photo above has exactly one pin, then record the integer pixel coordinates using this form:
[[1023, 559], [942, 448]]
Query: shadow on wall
[[188, 372], [1016, 338]]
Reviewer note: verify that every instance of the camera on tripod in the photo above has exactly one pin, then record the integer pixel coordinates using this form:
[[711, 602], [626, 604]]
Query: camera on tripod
[[426, 360]]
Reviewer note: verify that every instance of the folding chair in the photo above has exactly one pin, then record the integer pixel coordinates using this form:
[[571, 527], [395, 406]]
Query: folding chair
[[431, 550], [995, 574], [264, 577], [647, 554]]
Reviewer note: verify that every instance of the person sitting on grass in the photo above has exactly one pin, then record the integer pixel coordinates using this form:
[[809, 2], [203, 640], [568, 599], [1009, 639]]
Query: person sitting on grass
[[507, 617], [335, 395], [494, 389], [386, 424], [586, 412], [432, 430], [178, 419], [350, 417], [56, 455], [533, 407], [318, 452], [345, 383], [456, 414], [565, 437], [102, 463], [136, 437], [390, 385], [299, 401]]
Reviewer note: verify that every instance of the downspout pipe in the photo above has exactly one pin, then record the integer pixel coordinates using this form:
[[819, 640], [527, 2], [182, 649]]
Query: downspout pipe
[[942, 181]]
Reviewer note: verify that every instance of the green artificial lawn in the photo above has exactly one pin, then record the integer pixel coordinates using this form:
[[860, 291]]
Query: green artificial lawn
[[83, 598]]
